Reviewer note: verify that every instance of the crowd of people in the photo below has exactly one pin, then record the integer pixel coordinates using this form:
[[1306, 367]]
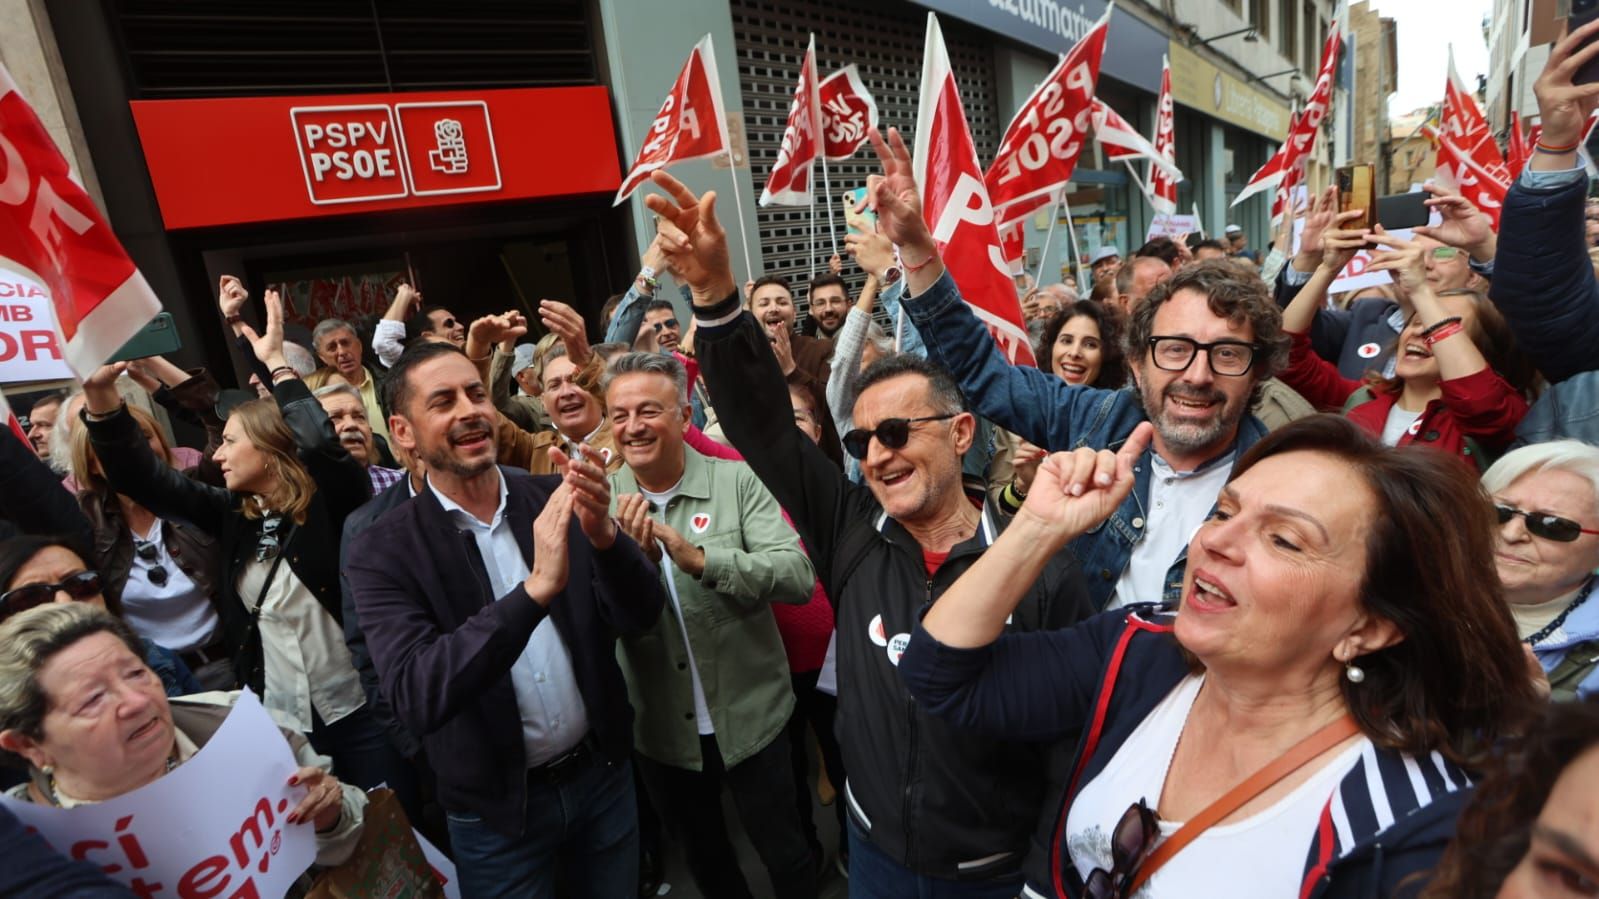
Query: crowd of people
[[1245, 589]]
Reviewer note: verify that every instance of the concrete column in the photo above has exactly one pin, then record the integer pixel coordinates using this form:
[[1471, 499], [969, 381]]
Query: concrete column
[[645, 45], [1213, 199], [28, 50]]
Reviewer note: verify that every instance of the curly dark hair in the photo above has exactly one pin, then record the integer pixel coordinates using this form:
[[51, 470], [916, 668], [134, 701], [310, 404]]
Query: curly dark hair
[[1495, 830], [1237, 295], [1112, 367]]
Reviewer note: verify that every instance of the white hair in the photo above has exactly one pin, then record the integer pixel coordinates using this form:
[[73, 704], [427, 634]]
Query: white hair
[[1581, 459], [300, 359]]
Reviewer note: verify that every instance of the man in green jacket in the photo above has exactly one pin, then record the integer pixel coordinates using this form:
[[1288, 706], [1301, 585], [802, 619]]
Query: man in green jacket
[[710, 681]]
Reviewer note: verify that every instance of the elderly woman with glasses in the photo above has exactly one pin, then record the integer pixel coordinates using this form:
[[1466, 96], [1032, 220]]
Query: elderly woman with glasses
[[290, 485], [1547, 549], [81, 711], [1305, 723]]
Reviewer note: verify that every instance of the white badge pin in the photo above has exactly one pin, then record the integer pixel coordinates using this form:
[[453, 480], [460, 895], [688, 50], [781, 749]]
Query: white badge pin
[[896, 647], [700, 522], [1368, 350], [876, 632]]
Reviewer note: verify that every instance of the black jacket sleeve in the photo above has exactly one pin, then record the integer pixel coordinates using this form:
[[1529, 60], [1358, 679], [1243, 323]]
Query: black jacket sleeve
[[1543, 280], [1328, 330], [340, 479], [136, 473], [32, 498]]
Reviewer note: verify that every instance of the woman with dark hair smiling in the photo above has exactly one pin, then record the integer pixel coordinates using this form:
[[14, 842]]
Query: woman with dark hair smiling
[[1304, 724], [1083, 345]]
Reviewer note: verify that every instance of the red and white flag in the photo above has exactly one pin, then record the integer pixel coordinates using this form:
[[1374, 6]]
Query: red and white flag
[[956, 205], [1283, 198], [1302, 136], [690, 124], [1041, 146], [1162, 186], [1518, 150], [1469, 162], [792, 181], [50, 231], [1013, 246], [848, 113], [1120, 141], [1467, 176]]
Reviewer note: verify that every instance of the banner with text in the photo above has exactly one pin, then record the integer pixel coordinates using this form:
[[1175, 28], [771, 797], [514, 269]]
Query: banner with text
[[848, 113], [30, 344], [1302, 136]]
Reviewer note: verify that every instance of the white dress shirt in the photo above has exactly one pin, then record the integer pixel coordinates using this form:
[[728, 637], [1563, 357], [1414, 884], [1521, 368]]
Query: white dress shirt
[[1178, 504]]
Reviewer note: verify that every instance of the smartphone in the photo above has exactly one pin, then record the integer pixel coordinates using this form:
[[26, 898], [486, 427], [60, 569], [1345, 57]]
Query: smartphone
[[1399, 211], [1355, 192], [865, 221], [158, 338], [1583, 12]]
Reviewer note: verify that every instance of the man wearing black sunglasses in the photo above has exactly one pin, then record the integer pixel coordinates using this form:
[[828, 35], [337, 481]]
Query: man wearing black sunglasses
[[932, 808], [398, 328]]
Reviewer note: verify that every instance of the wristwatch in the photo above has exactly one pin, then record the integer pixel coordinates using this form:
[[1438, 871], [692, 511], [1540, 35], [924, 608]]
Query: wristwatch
[[893, 275]]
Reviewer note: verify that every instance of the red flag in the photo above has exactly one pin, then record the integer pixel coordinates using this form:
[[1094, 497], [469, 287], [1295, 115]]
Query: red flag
[[1463, 124], [1041, 146], [1013, 246], [848, 113], [1518, 151], [956, 206], [690, 124], [51, 231], [1121, 141], [1285, 188], [791, 182], [1302, 136], [1162, 186], [1468, 177]]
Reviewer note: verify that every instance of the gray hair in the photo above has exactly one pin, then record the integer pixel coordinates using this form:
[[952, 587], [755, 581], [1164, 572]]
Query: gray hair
[[302, 360], [60, 439], [1574, 456], [648, 364], [27, 641], [337, 390], [327, 326], [877, 337]]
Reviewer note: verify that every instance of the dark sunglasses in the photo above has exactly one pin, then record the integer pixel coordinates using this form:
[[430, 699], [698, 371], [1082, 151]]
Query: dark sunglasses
[[148, 553], [892, 433], [80, 586], [1542, 524], [1130, 844], [666, 323], [267, 548]]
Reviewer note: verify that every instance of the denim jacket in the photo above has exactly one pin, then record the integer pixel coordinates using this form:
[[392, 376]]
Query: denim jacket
[[1050, 413]]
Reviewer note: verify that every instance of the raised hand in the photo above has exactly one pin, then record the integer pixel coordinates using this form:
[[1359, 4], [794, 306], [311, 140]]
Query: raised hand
[[782, 346], [1319, 216], [231, 295], [1464, 225], [485, 332], [1074, 491], [550, 567], [1406, 259], [1340, 244], [898, 203], [1564, 107], [874, 253], [693, 239], [591, 494], [685, 555], [567, 323], [835, 265], [409, 297], [1025, 465], [268, 344], [633, 514]]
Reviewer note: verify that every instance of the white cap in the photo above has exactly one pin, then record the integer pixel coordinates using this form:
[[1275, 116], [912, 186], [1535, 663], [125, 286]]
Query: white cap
[[1234, 229], [1103, 253]]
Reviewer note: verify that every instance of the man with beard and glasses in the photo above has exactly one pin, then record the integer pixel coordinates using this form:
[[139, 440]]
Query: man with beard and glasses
[[492, 604], [829, 305], [343, 405], [1198, 347]]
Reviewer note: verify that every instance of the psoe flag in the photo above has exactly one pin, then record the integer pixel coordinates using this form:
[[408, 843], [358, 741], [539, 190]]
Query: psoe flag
[[956, 207], [848, 113], [1120, 141], [690, 124], [50, 232], [1162, 186], [792, 180]]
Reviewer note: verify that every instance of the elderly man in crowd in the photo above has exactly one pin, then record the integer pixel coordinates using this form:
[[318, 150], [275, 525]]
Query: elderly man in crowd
[[339, 348], [345, 410], [1136, 279], [1104, 263], [711, 679]]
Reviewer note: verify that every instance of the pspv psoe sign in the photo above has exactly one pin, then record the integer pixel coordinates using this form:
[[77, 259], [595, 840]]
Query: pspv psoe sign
[[356, 153]]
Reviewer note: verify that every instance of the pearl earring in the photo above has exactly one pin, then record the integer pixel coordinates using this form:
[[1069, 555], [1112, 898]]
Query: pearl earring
[[47, 770], [1355, 673]]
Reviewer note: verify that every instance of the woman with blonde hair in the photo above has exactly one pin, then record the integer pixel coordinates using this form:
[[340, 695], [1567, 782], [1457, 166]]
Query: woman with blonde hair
[[162, 574], [290, 486]]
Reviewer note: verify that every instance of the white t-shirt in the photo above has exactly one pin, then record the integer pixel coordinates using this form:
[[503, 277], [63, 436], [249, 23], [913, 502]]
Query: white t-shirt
[[1398, 424], [176, 614], [1178, 504], [1262, 855], [702, 709]]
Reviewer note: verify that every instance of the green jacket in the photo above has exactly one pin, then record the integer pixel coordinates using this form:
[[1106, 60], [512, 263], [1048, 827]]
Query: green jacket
[[752, 558]]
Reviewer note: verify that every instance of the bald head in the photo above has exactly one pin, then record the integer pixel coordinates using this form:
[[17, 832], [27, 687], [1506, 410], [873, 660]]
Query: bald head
[[1137, 278]]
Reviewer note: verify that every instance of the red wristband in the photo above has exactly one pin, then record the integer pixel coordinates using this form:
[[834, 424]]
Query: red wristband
[[913, 269], [1449, 329]]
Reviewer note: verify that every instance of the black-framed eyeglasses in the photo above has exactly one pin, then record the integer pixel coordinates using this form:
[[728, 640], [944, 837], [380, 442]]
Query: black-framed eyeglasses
[[1229, 358], [892, 433], [267, 548], [80, 586], [1130, 843], [1542, 524], [150, 554]]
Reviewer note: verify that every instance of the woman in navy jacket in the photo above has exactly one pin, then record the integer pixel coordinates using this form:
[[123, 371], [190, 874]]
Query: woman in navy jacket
[[1341, 588]]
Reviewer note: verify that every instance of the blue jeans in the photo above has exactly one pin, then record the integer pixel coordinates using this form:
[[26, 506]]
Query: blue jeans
[[873, 875], [362, 753], [590, 822]]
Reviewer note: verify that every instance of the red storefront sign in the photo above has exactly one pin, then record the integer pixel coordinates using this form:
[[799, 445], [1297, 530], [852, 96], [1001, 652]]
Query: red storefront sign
[[255, 159]]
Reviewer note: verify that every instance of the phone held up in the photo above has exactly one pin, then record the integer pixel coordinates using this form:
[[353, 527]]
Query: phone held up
[[1355, 191], [1582, 12]]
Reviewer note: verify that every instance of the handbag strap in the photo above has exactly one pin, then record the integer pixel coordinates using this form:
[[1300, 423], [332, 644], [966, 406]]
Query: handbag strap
[[1259, 782], [260, 598]]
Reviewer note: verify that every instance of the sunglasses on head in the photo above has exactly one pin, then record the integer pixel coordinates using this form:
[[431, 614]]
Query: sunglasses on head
[[1542, 524], [80, 586], [892, 433], [268, 547], [1130, 843]]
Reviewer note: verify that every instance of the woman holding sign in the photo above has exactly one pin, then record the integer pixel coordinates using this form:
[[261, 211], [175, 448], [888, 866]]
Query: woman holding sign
[[86, 716], [290, 486], [1449, 390]]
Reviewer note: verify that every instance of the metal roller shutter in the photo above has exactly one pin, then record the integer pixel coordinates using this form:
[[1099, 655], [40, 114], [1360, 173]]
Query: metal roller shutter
[[884, 40]]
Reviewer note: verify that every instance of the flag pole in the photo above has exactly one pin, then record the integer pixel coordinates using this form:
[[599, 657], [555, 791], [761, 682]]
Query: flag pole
[[827, 185], [738, 204], [1043, 256], [810, 267], [1199, 221], [1142, 187], [1077, 257]]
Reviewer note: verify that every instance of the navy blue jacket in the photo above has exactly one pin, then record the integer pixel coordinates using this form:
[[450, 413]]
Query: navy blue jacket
[[355, 638], [444, 644], [32, 868], [1359, 339], [1103, 677]]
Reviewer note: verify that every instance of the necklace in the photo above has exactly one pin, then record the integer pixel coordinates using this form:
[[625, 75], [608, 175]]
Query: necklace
[[1551, 627]]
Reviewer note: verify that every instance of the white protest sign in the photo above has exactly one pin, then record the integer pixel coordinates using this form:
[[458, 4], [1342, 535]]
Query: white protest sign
[[30, 342], [215, 826], [1172, 225]]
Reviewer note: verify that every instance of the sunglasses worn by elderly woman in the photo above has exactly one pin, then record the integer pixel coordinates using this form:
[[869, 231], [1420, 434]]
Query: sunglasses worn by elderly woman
[[91, 722], [1281, 690]]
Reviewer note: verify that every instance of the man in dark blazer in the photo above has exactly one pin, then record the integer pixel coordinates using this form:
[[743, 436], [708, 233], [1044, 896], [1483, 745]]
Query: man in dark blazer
[[491, 606]]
